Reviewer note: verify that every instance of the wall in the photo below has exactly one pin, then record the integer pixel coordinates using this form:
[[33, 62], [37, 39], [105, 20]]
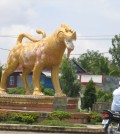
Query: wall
[[100, 106], [46, 81], [110, 82]]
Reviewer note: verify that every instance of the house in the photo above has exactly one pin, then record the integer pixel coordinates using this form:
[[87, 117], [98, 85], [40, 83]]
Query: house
[[14, 80]]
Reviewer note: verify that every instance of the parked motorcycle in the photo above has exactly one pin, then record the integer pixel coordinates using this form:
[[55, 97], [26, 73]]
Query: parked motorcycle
[[111, 122]]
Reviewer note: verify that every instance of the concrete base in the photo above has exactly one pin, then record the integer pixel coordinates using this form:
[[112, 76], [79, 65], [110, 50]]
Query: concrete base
[[37, 103], [53, 129]]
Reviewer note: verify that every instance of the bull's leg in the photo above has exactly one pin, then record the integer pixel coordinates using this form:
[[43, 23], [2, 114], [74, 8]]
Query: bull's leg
[[55, 81], [36, 80], [24, 79], [10, 67]]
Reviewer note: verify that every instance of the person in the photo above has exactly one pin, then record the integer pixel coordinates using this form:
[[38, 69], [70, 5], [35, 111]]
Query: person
[[116, 100]]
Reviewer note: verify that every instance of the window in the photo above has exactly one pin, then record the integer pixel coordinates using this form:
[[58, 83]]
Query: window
[[11, 82]]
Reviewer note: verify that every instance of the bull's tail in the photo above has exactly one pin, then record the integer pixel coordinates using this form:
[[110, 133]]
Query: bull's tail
[[22, 35], [41, 32]]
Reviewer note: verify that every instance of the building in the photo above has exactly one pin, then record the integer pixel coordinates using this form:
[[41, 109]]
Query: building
[[14, 80]]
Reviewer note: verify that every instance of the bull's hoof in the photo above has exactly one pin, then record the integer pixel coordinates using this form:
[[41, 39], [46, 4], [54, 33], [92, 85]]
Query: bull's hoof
[[2, 91], [38, 93]]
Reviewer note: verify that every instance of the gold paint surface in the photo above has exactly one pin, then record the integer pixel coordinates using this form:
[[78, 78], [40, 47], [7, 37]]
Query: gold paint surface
[[44, 53]]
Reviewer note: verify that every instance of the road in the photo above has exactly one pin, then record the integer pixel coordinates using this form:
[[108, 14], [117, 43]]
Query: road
[[23, 132], [26, 132]]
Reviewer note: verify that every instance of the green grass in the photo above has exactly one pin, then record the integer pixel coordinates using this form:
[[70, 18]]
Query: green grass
[[17, 90], [47, 123], [59, 123], [12, 122], [55, 123]]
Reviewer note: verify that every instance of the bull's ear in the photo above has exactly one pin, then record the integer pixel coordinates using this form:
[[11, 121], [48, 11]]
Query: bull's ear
[[63, 25], [60, 34]]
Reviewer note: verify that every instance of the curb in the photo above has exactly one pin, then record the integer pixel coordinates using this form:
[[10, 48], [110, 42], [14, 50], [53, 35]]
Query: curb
[[40, 128]]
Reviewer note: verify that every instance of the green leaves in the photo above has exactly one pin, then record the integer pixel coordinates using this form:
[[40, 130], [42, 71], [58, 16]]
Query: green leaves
[[115, 50], [89, 95], [1, 68], [70, 84], [59, 115], [94, 62]]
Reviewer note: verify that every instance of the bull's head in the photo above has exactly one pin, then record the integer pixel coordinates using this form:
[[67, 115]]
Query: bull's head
[[68, 35]]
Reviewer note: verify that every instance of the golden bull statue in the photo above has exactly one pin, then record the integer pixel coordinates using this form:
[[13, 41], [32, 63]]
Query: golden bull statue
[[37, 55]]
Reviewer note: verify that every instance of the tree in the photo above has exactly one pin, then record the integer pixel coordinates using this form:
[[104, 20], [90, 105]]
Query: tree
[[70, 84], [1, 68], [115, 50], [114, 70], [100, 66], [89, 95], [94, 62], [104, 96]]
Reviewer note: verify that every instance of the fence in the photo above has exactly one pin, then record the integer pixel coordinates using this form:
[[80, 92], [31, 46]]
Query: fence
[[100, 106]]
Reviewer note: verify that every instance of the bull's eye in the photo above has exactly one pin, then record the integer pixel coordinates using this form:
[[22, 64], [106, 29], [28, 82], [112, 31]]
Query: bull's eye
[[66, 30]]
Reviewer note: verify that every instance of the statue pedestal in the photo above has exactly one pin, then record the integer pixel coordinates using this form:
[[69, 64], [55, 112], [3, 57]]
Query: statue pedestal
[[37, 103]]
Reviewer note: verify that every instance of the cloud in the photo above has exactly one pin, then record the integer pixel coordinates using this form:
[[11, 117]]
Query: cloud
[[10, 41], [17, 12], [93, 17], [82, 45], [111, 9]]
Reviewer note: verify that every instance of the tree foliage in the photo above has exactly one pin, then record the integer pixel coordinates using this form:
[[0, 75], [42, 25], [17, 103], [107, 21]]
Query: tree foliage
[[104, 96], [1, 68], [70, 84], [89, 95], [115, 50], [59, 115], [94, 62], [114, 70]]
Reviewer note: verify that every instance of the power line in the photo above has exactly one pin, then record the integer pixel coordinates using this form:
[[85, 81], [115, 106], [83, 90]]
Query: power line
[[70, 54], [5, 49], [8, 36], [95, 39], [94, 35], [85, 37], [81, 54]]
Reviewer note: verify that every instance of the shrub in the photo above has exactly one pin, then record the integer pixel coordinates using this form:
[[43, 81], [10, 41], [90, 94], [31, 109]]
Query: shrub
[[49, 91], [95, 116], [59, 115], [25, 117], [1, 68], [42, 86], [46, 91], [3, 115], [104, 96], [89, 95], [17, 90], [69, 82]]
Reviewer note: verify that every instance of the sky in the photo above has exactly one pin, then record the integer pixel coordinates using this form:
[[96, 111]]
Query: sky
[[95, 22]]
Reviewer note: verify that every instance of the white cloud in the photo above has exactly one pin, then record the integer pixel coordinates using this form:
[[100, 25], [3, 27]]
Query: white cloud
[[81, 46], [93, 17], [110, 9], [9, 42]]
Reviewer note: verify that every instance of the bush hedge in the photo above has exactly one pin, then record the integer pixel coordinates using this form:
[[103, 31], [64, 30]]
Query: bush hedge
[[20, 117], [59, 115], [17, 90]]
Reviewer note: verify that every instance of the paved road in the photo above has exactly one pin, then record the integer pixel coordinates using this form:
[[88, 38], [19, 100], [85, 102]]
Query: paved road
[[23, 132]]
